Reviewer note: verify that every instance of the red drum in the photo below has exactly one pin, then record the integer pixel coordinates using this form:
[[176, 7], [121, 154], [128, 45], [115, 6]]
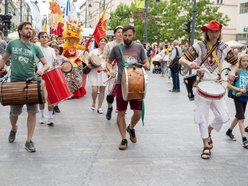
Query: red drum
[[211, 90], [56, 86]]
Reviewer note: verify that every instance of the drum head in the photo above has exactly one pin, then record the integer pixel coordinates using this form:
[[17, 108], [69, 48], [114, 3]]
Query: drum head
[[211, 88], [95, 61], [66, 67]]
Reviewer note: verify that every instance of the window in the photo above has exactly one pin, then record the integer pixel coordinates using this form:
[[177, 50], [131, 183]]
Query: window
[[243, 8], [219, 1]]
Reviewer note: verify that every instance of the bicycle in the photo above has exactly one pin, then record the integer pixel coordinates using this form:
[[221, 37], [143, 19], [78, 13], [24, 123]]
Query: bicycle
[[183, 70], [224, 73]]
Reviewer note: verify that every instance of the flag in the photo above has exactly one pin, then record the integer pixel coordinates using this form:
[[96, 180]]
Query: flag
[[101, 26], [44, 24], [70, 11], [36, 16], [88, 42]]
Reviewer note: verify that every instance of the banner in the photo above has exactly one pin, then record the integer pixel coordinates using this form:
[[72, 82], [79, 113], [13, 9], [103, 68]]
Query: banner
[[70, 11], [101, 27], [36, 16]]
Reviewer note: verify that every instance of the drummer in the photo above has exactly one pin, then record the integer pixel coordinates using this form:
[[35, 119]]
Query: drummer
[[23, 54], [211, 69], [50, 56], [132, 53], [98, 76]]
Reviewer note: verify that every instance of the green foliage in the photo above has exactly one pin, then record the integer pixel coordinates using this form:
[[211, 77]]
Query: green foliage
[[165, 19]]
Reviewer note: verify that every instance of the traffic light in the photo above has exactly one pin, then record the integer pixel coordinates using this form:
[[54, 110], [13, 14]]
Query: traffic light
[[187, 26]]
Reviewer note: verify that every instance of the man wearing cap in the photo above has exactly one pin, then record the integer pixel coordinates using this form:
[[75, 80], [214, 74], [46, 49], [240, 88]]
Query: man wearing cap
[[207, 56], [111, 84]]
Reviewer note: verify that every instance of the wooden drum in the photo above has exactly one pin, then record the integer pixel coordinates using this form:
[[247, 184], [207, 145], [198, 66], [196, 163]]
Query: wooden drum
[[18, 93], [134, 82]]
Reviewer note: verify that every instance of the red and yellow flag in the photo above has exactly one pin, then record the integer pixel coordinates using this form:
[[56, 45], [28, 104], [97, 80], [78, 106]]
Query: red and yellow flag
[[101, 27]]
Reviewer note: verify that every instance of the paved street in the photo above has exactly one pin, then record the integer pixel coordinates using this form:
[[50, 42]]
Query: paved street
[[82, 148]]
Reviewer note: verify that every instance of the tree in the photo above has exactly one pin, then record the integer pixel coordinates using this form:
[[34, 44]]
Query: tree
[[166, 18]]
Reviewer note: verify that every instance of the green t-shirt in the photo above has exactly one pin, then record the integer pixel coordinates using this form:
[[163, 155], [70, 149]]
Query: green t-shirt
[[23, 59]]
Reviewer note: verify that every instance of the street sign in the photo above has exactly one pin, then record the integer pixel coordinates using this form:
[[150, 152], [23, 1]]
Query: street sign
[[140, 14]]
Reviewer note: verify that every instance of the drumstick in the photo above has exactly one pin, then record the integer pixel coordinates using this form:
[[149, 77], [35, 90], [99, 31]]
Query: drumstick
[[79, 55], [108, 79]]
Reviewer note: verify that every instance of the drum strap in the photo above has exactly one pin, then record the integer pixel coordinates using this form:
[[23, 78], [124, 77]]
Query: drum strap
[[215, 57], [125, 64], [209, 53], [39, 90]]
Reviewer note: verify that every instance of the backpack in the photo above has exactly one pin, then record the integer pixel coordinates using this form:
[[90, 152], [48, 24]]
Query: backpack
[[175, 66], [229, 92]]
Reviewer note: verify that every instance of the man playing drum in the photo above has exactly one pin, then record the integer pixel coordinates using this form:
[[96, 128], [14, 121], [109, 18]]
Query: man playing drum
[[208, 55], [132, 53], [50, 56], [23, 65], [110, 94]]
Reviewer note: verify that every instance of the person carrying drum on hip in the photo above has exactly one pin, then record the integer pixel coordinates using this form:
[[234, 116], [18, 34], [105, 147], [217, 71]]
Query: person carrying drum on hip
[[111, 84], [23, 54], [131, 53], [49, 54], [208, 55]]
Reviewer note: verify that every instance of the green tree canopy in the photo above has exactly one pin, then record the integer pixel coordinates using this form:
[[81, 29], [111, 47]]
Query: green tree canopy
[[165, 19]]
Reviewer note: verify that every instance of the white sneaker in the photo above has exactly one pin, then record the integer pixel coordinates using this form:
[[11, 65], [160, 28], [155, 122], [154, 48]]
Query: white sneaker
[[42, 120], [50, 122]]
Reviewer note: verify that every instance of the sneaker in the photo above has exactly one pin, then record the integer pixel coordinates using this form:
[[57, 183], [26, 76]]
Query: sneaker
[[245, 144], [123, 144], [42, 120], [231, 136], [246, 129], [109, 113], [56, 109], [132, 134], [29, 146], [12, 136], [50, 122]]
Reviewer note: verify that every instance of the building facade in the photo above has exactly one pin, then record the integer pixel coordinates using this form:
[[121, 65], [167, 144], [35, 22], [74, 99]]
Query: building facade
[[242, 23], [230, 8], [19, 11], [91, 10]]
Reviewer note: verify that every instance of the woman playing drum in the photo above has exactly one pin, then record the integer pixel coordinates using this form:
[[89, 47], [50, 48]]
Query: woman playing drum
[[214, 52], [97, 76]]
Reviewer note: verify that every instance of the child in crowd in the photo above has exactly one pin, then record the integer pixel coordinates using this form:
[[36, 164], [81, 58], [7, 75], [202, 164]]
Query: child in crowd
[[240, 97]]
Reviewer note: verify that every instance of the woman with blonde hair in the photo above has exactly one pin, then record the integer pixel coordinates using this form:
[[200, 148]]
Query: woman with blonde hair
[[239, 89]]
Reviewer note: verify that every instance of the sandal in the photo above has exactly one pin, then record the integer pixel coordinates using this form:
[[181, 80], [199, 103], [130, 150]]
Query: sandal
[[100, 111], [206, 153], [92, 107]]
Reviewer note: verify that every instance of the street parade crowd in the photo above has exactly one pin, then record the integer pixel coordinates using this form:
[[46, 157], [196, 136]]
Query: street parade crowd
[[46, 69]]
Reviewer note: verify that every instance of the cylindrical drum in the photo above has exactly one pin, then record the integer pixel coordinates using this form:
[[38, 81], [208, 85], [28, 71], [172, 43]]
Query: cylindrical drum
[[18, 93], [133, 85], [56, 85]]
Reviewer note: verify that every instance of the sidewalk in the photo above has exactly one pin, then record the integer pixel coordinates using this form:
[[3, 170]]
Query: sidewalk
[[82, 148]]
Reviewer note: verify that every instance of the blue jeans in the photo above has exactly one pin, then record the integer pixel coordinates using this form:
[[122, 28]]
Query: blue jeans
[[175, 80]]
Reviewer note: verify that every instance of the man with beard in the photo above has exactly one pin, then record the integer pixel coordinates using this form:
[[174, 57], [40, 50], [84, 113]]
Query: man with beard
[[130, 54], [23, 56]]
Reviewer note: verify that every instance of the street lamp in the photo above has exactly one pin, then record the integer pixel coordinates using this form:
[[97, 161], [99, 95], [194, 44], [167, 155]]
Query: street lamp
[[6, 19]]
